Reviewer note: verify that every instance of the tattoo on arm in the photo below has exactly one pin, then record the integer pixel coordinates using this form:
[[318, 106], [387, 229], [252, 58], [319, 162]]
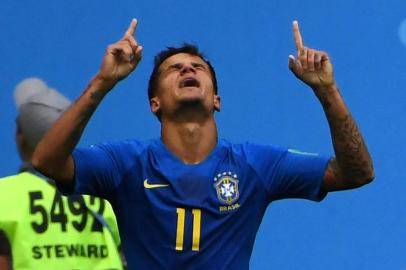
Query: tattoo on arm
[[96, 96], [351, 151], [352, 166], [325, 101], [85, 115], [352, 161]]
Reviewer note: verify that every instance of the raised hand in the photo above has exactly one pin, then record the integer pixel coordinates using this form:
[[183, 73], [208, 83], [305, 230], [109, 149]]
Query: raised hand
[[122, 57], [53, 156], [312, 67]]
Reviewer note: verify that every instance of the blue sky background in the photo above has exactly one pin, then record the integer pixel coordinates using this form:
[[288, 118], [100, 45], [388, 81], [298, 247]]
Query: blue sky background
[[248, 43]]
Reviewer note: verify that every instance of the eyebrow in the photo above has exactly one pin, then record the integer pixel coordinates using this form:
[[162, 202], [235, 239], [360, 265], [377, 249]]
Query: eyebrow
[[194, 64]]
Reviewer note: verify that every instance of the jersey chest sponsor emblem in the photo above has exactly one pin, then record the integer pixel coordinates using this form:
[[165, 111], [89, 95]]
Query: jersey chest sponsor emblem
[[226, 185], [149, 185]]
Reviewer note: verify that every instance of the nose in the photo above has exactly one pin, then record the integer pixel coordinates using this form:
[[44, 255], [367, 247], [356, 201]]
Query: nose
[[187, 68]]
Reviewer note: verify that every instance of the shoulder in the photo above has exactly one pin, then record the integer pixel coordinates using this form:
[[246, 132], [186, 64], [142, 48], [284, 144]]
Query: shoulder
[[115, 149], [252, 150], [19, 191], [7, 179], [116, 157], [124, 146], [132, 146], [24, 180]]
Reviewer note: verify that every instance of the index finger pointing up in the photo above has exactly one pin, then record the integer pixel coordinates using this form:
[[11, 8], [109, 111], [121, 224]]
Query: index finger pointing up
[[297, 36], [131, 29]]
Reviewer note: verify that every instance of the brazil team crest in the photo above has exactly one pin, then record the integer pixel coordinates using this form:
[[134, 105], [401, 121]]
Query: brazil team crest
[[226, 185]]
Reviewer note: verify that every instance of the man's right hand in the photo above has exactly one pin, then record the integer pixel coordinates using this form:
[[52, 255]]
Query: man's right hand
[[121, 58]]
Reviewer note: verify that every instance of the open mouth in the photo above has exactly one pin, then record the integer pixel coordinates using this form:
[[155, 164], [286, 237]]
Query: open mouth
[[189, 82]]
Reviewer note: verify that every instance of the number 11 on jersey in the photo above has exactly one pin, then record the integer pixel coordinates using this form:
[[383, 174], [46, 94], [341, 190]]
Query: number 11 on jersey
[[180, 229]]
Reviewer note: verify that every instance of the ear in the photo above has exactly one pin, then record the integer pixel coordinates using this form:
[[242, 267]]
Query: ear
[[217, 103], [155, 105]]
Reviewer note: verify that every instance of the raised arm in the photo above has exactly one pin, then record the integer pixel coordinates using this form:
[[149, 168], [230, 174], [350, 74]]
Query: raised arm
[[52, 157], [352, 166]]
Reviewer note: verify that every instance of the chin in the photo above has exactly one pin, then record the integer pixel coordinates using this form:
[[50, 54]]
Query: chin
[[191, 99], [190, 94]]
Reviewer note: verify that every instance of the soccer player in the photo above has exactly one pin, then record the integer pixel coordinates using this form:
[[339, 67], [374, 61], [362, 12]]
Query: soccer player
[[189, 200], [39, 228]]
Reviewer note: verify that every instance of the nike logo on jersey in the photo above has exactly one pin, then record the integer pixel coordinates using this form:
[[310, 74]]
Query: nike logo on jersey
[[148, 185]]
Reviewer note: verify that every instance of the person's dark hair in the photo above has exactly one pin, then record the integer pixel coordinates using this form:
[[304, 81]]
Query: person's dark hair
[[168, 52]]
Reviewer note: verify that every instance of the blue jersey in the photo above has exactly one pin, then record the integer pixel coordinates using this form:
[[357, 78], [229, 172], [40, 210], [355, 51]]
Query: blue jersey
[[177, 216]]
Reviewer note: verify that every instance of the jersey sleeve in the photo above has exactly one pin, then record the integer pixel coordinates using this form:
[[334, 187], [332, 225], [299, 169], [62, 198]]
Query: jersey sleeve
[[99, 169], [288, 173]]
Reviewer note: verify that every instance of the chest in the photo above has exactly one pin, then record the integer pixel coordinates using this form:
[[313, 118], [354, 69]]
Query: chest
[[185, 208], [217, 186]]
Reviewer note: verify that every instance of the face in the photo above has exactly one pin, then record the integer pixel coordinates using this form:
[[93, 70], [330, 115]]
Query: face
[[184, 79]]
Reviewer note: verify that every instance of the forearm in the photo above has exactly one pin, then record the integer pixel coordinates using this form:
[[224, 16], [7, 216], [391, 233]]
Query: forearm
[[52, 156], [354, 166]]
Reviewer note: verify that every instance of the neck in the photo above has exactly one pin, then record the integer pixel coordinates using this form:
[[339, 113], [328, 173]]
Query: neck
[[190, 141], [26, 167]]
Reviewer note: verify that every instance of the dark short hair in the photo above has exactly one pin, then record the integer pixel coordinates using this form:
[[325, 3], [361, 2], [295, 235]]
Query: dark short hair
[[168, 52]]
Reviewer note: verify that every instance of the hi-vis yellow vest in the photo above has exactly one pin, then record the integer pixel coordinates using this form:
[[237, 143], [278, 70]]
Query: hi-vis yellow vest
[[48, 231]]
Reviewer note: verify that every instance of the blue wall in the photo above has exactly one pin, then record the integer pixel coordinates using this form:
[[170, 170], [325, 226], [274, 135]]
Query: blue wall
[[248, 42]]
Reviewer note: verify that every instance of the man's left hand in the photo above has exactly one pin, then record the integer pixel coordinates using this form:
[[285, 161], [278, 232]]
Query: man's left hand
[[313, 67]]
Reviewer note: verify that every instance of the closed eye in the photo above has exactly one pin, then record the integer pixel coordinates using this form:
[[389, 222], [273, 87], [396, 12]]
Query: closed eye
[[179, 66], [198, 66], [176, 66]]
